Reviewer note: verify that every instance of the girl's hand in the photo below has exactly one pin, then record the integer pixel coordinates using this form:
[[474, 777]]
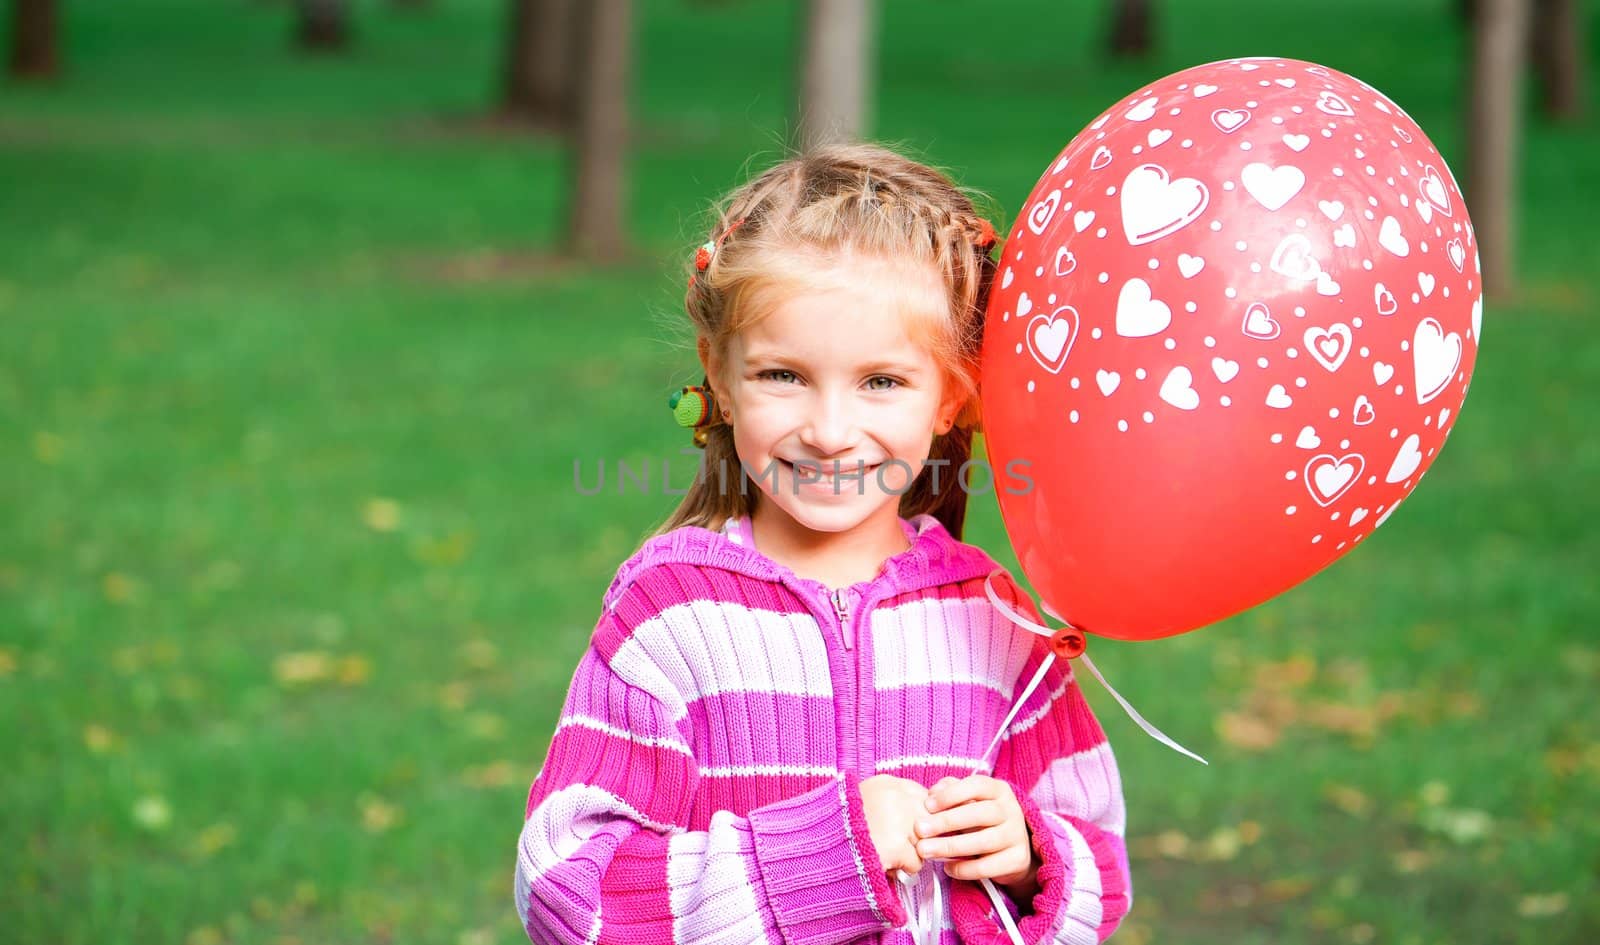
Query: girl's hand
[[976, 824], [892, 806]]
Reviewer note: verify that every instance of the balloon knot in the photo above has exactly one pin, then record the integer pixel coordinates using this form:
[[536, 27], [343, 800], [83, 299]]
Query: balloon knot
[[1067, 643]]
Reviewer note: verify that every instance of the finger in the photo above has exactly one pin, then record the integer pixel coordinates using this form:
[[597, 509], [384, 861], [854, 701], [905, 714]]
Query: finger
[[943, 784], [971, 816], [977, 843], [910, 863], [950, 792], [1004, 863], [904, 860]]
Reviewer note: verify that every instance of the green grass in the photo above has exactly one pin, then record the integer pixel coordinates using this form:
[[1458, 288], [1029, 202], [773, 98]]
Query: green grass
[[292, 576]]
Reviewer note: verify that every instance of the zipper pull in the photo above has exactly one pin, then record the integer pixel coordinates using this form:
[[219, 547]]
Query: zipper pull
[[841, 606]]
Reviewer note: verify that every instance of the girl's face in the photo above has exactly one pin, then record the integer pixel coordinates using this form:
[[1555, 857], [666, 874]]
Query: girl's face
[[834, 404]]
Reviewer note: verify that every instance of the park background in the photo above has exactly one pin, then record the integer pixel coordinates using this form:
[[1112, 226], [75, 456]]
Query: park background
[[297, 352]]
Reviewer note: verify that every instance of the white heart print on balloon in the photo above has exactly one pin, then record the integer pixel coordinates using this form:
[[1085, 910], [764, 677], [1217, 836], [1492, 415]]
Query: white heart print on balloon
[[1264, 254]]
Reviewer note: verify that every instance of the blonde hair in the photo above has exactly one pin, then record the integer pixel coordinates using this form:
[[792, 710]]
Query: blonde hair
[[861, 201]]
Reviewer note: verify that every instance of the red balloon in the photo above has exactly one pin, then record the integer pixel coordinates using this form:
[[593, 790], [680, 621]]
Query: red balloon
[[1231, 329]]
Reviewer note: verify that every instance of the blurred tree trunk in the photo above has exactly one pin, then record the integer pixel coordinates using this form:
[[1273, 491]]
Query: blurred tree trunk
[[1558, 47], [1130, 28], [1499, 47], [836, 68], [540, 61], [595, 227], [1560, 57], [34, 53], [323, 25]]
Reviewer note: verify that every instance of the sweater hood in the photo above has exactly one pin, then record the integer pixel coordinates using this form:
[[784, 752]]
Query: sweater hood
[[934, 558]]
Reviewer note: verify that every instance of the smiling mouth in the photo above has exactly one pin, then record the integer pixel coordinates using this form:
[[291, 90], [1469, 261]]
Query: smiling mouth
[[826, 471]]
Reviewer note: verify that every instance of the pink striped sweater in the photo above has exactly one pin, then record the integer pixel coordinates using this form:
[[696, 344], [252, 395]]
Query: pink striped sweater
[[701, 787]]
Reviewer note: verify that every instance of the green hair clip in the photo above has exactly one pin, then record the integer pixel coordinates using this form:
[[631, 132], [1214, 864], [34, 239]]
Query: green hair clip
[[693, 406]]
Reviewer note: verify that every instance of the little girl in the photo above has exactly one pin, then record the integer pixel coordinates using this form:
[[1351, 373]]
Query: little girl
[[791, 684]]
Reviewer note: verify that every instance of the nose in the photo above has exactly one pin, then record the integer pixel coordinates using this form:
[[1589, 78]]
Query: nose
[[830, 428]]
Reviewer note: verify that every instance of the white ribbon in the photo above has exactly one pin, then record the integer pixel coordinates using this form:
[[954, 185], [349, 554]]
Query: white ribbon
[[1047, 633], [1000, 906], [924, 923], [924, 918]]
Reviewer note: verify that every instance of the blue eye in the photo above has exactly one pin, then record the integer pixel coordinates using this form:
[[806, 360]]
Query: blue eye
[[782, 377], [889, 382]]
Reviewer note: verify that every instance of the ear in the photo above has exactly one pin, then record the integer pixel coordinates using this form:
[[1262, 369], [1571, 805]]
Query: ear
[[954, 408], [708, 359], [712, 362]]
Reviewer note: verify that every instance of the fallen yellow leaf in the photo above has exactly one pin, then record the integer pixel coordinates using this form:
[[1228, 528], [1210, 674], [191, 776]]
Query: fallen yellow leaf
[[454, 695], [1172, 844], [1355, 720], [119, 588], [305, 666], [1246, 731], [495, 774], [381, 515], [443, 552], [1464, 705], [354, 670], [214, 838], [1542, 905], [1434, 793], [98, 739], [152, 812], [1289, 887], [1563, 761], [1349, 673], [378, 815], [1223, 844], [1348, 799], [1326, 917], [1292, 673]]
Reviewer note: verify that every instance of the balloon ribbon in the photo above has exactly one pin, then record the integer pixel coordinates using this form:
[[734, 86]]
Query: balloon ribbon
[[1066, 642]]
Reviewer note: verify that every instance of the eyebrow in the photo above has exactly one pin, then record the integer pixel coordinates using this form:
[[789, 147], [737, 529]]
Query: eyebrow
[[890, 367]]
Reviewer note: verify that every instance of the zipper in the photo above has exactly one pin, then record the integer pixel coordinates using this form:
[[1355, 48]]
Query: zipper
[[849, 708], [841, 607]]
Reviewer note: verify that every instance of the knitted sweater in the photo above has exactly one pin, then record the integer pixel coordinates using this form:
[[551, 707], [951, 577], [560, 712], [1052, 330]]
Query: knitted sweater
[[702, 784]]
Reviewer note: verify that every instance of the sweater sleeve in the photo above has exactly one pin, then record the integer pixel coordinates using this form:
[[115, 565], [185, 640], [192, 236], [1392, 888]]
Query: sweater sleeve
[[1057, 760], [606, 854]]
